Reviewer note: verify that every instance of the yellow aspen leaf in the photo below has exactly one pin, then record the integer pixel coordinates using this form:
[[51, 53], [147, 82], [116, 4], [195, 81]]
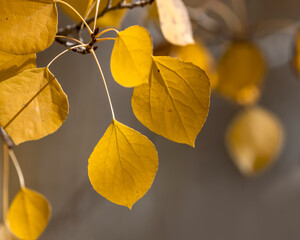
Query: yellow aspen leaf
[[175, 22], [254, 139], [123, 165], [27, 26], [199, 55], [28, 214], [5, 233], [32, 105], [11, 64], [131, 57], [112, 19], [241, 73], [175, 103]]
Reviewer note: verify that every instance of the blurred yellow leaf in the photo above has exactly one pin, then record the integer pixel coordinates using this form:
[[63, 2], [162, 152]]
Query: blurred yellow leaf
[[32, 105], [199, 55], [241, 72], [27, 26], [175, 22], [131, 57], [123, 165], [112, 18], [28, 214], [175, 103], [11, 64], [297, 53], [5, 233], [254, 139]]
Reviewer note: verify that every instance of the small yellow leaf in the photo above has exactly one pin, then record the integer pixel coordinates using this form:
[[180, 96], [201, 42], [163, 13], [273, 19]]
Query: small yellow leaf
[[131, 57], [241, 73], [123, 165], [199, 55], [254, 139], [32, 105], [27, 26], [175, 22], [11, 64], [5, 233], [175, 103], [28, 214]]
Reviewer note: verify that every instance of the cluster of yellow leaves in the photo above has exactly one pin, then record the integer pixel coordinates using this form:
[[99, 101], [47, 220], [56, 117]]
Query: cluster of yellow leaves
[[32, 103], [254, 139], [171, 98]]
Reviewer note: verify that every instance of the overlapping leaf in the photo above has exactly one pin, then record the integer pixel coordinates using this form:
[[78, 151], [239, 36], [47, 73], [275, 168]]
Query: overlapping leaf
[[131, 57], [11, 64], [254, 139], [27, 26], [241, 73], [174, 22], [199, 55], [123, 165], [28, 214], [175, 103], [32, 105]]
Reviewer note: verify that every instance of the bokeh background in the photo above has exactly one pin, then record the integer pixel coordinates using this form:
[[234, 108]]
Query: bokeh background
[[198, 193]]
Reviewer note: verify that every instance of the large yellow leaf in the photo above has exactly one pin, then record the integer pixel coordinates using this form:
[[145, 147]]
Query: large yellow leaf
[[11, 64], [241, 73], [32, 105], [28, 214], [175, 22], [254, 139], [175, 103], [27, 26], [123, 165], [131, 57], [199, 55]]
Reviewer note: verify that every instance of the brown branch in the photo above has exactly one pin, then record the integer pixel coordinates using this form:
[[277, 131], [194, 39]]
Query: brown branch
[[74, 29]]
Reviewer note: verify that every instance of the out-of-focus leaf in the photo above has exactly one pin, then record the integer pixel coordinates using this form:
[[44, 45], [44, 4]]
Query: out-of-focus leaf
[[27, 26], [123, 165], [28, 214], [175, 22], [131, 57], [241, 73], [11, 64], [199, 55], [112, 18], [32, 105], [254, 139], [175, 103], [297, 53]]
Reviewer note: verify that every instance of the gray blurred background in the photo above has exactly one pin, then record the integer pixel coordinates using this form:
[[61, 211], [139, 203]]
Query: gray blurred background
[[197, 193]]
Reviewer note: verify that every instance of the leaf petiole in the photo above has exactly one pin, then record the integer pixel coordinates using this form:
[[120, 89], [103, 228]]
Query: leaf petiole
[[104, 39], [107, 30], [104, 82], [18, 168]]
